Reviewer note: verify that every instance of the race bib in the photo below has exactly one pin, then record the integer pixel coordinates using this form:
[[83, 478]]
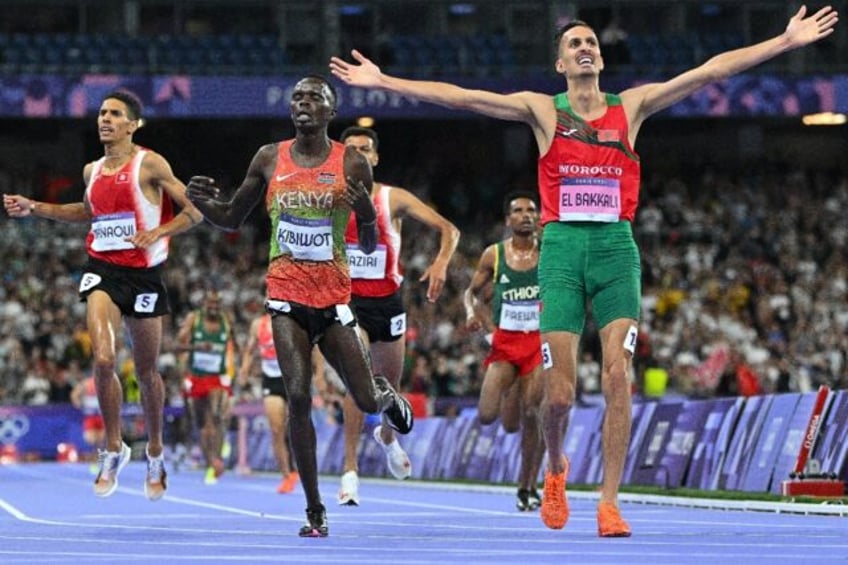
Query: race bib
[[589, 199], [631, 339], [398, 325], [110, 231], [271, 368], [520, 316], [547, 357], [89, 281], [344, 314], [206, 361], [146, 303], [306, 239], [278, 306], [90, 405], [362, 266]]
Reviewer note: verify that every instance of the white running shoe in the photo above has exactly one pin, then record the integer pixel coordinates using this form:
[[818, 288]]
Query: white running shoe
[[349, 490], [396, 458], [110, 465], [156, 481]]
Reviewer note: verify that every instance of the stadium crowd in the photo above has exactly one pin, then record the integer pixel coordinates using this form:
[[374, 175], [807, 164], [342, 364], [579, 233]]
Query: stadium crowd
[[744, 284]]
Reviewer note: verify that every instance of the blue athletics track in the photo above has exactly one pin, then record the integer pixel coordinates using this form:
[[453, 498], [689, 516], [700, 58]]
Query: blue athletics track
[[48, 514]]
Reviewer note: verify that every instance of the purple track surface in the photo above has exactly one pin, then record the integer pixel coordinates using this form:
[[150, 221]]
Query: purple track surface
[[48, 514]]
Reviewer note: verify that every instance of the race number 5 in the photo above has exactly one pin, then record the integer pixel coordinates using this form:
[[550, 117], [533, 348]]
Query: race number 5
[[146, 303]]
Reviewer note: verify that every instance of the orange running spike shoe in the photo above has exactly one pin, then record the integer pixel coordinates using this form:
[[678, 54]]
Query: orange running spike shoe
[[554, 500], [610, 522], [287, 485]]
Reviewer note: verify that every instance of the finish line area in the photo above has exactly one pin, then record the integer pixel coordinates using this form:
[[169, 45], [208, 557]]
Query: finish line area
[[49, 514]]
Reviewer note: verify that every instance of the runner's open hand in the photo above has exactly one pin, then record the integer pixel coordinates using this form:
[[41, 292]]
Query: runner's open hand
[[357, 196], [202, 189], [366, 74]]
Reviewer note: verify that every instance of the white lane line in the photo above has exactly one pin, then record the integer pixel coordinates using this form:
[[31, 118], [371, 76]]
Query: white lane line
[[23, 517]]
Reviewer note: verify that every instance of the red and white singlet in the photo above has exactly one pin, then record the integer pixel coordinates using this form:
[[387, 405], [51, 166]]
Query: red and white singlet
[[119, 210], [379, 273]]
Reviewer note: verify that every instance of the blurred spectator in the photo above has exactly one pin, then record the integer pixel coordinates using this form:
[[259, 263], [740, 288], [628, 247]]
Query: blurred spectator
[[614, 44], [35, 389], [738, 378], [649, 225], [61, 386], [588, 374]]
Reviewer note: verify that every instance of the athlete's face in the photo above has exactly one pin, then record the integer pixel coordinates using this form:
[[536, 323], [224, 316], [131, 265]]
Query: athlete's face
[[113, 121], [365, 146], [523, 218], [312, 104], [579, 53], [212, 306]]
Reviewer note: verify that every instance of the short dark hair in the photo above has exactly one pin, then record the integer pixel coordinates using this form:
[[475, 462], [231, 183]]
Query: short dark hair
[[567, 27], [515, 195], [357, 130], [325, 80], [134, 106]]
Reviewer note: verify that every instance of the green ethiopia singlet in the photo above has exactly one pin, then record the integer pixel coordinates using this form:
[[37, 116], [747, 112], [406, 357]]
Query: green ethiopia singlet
[[212, 360], [515, 302]]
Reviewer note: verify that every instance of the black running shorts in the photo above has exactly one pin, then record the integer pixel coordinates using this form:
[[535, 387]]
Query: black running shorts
[[138, 293], [383, 318], [314, 320], [273, 386]]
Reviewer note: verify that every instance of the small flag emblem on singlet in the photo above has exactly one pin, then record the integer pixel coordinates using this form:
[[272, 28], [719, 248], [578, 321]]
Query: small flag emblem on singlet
[[122, 177], [607, 135]]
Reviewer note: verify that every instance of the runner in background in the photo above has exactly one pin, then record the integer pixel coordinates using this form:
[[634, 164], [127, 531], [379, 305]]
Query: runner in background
[[376, 298], [84, 397], [503, 298], [206, 349], [274, 400]]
